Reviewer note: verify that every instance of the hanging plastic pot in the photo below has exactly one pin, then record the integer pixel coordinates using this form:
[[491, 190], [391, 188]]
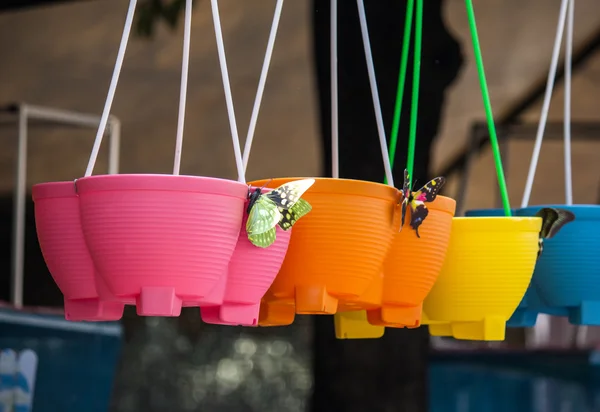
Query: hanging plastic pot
[[531, 305], [336, 251], [166, 241], [490, 260], [413, 265], [567, 272], [488, 267], [162, 241], [58, 225], [251, 273]]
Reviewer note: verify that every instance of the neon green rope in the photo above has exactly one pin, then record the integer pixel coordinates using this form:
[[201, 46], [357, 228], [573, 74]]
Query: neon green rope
[[488, 108], [401, 81], [414, 111]]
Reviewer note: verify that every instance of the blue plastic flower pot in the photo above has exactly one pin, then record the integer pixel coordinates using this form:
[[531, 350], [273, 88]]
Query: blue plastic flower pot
[[525, 316], [567, 275]]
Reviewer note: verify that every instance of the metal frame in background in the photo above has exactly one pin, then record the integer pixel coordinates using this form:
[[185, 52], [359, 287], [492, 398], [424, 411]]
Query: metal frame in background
[[580, 131], [48, 116], [523, 103]]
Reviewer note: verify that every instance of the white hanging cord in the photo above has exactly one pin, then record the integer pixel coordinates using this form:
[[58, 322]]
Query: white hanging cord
[[335, 128], [262, 82], [185, 66], [112, 88], [546, 105], [375, 94], [227, 88], [567, 116]]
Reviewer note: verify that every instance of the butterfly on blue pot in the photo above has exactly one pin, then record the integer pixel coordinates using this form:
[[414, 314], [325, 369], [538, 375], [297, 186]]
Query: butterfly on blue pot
[[416, 200], [552, 221], [282, 206]]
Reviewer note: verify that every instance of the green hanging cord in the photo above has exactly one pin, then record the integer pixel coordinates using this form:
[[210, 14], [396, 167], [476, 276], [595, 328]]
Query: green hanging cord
[[401, 80], [414, 110], [488, 108]]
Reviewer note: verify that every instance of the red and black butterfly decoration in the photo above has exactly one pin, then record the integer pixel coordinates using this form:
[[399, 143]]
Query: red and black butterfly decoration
[[416, 200]]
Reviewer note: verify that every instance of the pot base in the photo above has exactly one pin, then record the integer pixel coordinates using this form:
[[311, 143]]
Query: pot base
[[158, 301], [232, 314], [314, 300], [587, 314], [396, 316], [93, 310], [354, 325], [488, 329], [522, 318], [276, 314]]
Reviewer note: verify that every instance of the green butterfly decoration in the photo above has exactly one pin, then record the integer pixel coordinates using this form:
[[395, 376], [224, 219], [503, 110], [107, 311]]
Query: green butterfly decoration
[[552, 221], [282, 206]]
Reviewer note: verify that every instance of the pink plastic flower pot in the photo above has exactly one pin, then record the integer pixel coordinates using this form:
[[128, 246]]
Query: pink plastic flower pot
[[251, 273], [61, 239], [162, 241]]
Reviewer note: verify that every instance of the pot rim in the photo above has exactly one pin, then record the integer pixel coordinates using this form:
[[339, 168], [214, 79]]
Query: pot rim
[[581, 211], [443, 204], [499, 212], [497, 223], [162, 182], [53, 190], [330, 185]]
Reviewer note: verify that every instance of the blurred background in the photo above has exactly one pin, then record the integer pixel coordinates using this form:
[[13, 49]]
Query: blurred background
[[61, 56]]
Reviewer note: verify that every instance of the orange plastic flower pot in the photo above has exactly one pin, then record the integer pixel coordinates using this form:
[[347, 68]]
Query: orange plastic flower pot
[[336, 252], [412, 266]]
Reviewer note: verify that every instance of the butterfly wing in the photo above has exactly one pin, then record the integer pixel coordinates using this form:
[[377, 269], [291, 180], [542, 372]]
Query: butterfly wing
[[285, 196], [265, 239], [553, 220], [418, 214], [405, 195], [540, 247], [290, 216], [429, 192], [406, 184], [263, 217]]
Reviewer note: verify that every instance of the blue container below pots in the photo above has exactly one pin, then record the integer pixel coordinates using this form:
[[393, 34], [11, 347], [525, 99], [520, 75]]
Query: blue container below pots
[[567, 275], [524, 381], [77, 361]]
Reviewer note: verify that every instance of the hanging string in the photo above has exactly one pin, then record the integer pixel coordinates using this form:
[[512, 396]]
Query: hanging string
[[112, 88], [567, 119], [335, 127], [262, 82], [488, 107], [227, 88], [401, 81], [546, 104], [375, 94], [185, 65], [412, 136]]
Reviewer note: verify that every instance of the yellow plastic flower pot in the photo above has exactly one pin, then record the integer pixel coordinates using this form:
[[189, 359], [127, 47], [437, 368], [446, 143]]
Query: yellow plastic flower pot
[[488, 267], [354, 325]]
